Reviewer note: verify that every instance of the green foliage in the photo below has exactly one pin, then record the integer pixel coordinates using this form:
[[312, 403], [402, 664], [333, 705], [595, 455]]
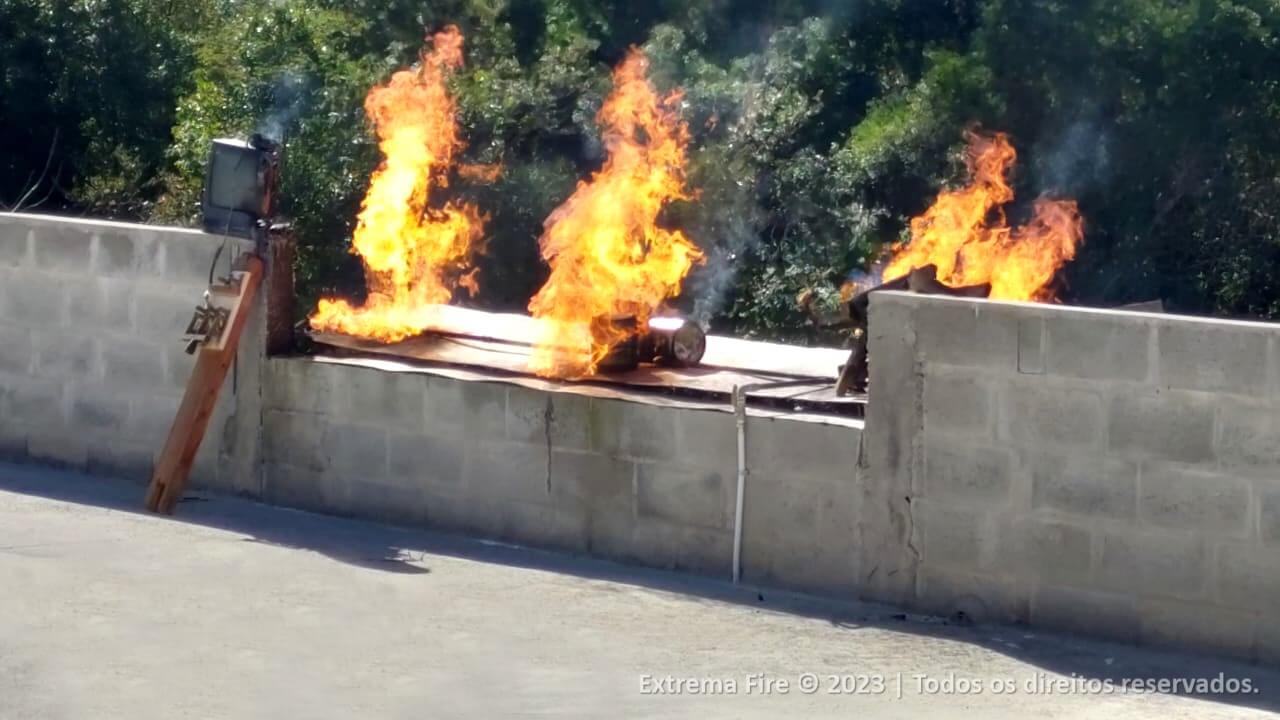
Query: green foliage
[[819, 127]]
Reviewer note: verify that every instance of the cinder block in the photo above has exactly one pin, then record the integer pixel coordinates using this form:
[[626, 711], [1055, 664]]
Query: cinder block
[[15, 243], [968, 333], [839, 525], [303, 385], [799, 532], [1031, 342], [966, 474], [59, 448], [570, 421], [13, 435], [1172, 564], [800, 449], [36, 403], [706, 438], [1197, 626], [1113, 616], [388, 399], [471, 410], [1166, 425], [294, 439], [978, 598], [132, 363], [1270, 519], [1267, 643], [164, 316], [121, 460], [187, 257], [1204, 356], [429, 461], [958, 403], [775, 505], [62, 354], [1248, 577], [1049, 551], [500, 470], [672, 546], [356, 452], [534, 525], [134, 252], [151, 417], [1193, 500], [632, 430], [63, 248], [1085, 484], [1248, 435], [403, 502], [291, 486], [948, 537], [1098, 347], [529, 416], [98, 409], [698, 497], [100, 303], [16, 349], [32, 299], [1040, 411], [594, 482]]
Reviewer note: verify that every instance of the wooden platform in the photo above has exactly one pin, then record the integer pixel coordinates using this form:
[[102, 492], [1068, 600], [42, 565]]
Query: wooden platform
[[501, 342]]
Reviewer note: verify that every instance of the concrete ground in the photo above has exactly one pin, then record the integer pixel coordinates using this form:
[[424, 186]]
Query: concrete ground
[[238, 610]]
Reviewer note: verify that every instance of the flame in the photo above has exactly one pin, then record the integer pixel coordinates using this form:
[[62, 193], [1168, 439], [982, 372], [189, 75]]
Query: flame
[[965, 233], [414, 255], [608, 256]]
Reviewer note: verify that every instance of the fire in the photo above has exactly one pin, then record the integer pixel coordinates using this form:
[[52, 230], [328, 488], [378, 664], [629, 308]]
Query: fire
[[415, 255], [965, 233], [608, 256]]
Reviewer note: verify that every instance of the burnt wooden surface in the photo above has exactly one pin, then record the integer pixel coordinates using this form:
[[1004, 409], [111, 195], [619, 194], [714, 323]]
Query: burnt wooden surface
[[475, 339]]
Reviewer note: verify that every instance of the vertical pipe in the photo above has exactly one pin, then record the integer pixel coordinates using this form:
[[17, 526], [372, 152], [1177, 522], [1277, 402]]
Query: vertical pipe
[[740, 416], [740, 412]]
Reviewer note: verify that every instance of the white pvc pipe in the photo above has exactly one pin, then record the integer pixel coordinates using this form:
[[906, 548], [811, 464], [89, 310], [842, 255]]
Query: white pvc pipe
[[740, 411], [740, 416]]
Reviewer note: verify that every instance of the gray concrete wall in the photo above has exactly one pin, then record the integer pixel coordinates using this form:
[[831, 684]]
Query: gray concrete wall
[[91, 365], [653, 484], [1116, 474], [1110, 473], [92, 371]]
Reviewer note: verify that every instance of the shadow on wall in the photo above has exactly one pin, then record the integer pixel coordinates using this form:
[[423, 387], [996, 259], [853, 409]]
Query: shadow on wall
[[405, 550]]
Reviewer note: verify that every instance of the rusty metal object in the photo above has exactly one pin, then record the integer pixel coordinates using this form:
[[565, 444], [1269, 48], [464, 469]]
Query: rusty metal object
[[924, 280], [673, 342]]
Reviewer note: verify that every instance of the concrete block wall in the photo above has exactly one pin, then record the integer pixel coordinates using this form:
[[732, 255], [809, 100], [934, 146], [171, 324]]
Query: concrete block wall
[[643, 483], [1105, 472], [92, 371], [91, 366]]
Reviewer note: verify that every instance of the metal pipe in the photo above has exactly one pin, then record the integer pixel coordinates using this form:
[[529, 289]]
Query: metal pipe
[[740, 416]]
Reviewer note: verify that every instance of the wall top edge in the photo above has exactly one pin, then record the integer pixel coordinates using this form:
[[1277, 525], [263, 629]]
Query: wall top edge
[[37, 219], [1030, 309], [595, 391]]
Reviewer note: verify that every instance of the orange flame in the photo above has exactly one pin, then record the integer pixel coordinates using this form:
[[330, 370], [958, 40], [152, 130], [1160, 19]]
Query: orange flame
[[965, 233], [414, 255], [608, 256]]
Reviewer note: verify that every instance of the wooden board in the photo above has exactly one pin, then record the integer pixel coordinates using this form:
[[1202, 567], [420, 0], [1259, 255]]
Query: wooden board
[[722, 352], [502, 342], [173, 467]]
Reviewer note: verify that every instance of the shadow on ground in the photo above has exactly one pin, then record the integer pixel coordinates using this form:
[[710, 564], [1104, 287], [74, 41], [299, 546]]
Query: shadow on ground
[[405, 550]]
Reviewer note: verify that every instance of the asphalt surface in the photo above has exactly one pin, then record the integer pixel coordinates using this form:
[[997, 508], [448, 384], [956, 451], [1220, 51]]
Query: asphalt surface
[[239, 610]]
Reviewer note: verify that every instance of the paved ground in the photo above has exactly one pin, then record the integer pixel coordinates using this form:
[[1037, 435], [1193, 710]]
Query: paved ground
[[243, 611]]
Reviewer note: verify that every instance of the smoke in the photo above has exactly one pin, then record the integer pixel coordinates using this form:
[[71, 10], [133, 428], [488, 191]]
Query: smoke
[[1077, 159], [734, 226], [288, 95]]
